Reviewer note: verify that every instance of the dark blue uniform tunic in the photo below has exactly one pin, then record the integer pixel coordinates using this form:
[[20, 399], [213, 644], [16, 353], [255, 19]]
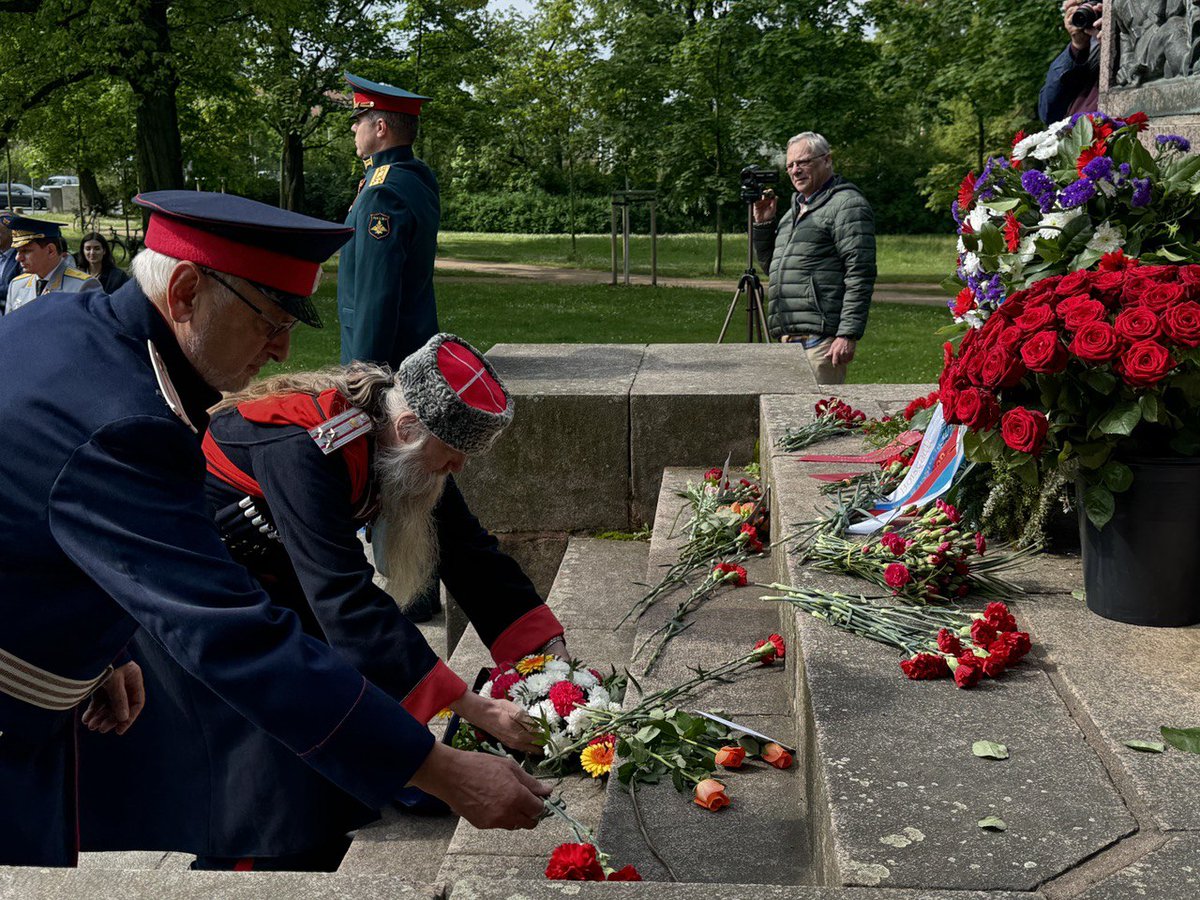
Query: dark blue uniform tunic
[[189, 749], [385, 274], [104, 527]]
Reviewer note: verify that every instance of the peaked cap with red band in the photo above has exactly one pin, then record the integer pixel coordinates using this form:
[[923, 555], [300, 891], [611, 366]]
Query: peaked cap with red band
[[279, 251], [371, 95], [456, 393]]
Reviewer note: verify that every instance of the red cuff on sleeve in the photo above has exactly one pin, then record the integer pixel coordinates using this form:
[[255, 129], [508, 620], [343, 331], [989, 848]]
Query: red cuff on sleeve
[[437, 690], [528, 634]]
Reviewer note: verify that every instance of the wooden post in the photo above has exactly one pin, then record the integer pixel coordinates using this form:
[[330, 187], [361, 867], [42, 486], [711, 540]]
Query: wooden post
[[653, 244], [625, 244], [614, 244]]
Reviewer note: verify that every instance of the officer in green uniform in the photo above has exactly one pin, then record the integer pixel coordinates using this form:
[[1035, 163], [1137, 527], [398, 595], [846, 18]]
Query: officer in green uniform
[[39, 247], [385, 274]]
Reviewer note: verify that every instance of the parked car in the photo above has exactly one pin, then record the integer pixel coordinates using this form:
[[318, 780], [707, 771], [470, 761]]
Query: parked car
[[59, 181], [23, 195]]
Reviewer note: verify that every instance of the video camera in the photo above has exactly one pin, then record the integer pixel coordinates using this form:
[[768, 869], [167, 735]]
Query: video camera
[[754, 178]]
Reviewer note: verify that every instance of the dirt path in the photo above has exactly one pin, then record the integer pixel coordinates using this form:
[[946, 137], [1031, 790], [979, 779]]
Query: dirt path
[[920, 294]]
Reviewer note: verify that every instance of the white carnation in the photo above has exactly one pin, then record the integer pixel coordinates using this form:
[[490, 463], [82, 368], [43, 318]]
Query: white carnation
[[1107, 239], [486, 690], [614, 707], [1053, 223], [540, 683], [1028, 249], [971, 265], [599, 696], [584, 679], [545, 710], [979, 217], [577, 721], [557, 669]]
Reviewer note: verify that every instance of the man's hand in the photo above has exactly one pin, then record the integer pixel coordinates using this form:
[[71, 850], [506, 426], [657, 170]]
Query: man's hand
[[1081, 38], [841, 351], [764, 209], [502, 719], [487, 791], [117, 702]]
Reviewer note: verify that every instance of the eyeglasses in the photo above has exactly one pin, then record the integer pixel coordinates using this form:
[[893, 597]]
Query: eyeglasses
[[276, 328], [805, 163]]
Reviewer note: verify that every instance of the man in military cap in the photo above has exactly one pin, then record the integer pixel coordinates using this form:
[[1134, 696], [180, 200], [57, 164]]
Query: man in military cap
[[104, 529], [39, 251], [9, 267], [385, 274]]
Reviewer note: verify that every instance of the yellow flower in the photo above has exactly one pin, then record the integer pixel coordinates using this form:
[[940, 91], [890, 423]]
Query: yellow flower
[[443, 713], [597, 759], [531, 664]]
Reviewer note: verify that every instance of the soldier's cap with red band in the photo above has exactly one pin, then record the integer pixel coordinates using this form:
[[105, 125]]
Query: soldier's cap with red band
[[456, 393], [371, 95], [278, 251]]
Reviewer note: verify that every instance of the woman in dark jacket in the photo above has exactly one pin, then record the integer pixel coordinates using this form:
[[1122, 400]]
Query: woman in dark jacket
[[96, 259]]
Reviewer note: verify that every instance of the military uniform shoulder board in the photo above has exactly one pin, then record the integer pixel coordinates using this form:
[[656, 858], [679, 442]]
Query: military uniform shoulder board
[[379, 176], [27, 278], [75, 273], [166, 388], [337, 432]]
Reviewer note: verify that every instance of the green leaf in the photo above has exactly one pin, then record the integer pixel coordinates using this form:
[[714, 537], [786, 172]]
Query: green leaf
[[1122, 418], [1081, 596], [752, 746], [1117, 477], [1146, 746], [989, 750], [1098, 504], [647, 734], [678, 780], [1027, 472], [1151, 408], [991, 239], [992, 823], [625, 771], [1004, 204], [1187, 739], [1099, 380]]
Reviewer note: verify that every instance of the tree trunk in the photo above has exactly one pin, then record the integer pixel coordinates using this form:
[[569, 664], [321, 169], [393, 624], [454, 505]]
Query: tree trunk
[[291, 173], [89, 190], [156, 114]]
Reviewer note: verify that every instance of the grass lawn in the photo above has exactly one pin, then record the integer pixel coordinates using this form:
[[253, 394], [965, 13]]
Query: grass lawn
[[900, 346], [902, 257]]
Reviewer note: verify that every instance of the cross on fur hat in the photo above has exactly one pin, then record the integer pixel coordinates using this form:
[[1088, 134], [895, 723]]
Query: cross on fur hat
[[456, 393]]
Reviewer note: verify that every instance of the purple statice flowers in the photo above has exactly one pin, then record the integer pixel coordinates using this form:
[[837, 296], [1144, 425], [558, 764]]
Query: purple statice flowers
[[1173, 142], [1141, 192], [1077, 193], [1040, 186]]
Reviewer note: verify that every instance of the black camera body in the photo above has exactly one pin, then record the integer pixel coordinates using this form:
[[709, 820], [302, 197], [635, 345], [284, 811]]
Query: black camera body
[[754, 179], [1084, 17]]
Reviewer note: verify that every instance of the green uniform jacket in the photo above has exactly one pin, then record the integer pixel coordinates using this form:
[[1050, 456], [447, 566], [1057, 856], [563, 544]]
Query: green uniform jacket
[[385, 274], [822, 267]]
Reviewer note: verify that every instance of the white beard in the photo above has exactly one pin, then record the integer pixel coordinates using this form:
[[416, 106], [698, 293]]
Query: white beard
[[408, 494]]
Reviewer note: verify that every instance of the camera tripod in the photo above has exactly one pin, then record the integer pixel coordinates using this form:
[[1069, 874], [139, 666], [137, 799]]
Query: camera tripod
[[752, 288]]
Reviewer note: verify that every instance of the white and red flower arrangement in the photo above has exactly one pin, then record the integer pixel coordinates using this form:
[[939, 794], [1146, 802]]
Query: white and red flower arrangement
[[1075, 369], [929, 559]]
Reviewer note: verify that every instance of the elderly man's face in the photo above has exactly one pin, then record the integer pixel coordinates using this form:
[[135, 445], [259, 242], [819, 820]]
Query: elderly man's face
[[38, 258], [808, 172]]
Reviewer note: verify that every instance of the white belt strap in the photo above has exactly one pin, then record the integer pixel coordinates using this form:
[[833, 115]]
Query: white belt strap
[[25, 681]]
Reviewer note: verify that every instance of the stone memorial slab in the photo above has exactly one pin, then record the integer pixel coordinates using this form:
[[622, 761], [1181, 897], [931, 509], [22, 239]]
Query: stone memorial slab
[[691, 404], [1170, 873], [100, 884], [400, 844], [563, 465], [595, 583], [487, 889]]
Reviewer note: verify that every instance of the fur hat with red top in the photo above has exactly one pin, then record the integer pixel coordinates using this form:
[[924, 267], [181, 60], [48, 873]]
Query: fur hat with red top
[[456, 393]]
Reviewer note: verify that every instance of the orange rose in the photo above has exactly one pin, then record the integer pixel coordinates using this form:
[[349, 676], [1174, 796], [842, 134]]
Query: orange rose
[[731, 757], [777, 756], [710, 794]]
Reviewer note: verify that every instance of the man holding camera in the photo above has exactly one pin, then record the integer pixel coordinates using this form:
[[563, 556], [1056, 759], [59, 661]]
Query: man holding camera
[[820, 259], [1073, 81]]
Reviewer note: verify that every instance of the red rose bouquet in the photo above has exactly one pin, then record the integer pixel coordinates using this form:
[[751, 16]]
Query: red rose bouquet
[[1075, 371]]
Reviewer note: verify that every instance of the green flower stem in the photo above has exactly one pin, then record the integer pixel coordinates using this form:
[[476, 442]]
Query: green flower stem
[[671, 766]]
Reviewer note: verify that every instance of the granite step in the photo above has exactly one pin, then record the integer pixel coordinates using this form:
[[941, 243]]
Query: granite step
[[105, 884], [484, 889], [895, 790], [593, 588]]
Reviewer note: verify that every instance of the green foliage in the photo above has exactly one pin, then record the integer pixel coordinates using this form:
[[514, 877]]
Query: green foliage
[[529, 211]]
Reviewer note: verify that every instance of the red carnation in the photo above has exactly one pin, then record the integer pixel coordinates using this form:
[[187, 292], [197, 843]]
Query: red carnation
[[966, 193], [980, 543], [983, 632], [897, 575], [1018, 645], [565, 696], [574, 862], [778, 649], [1117, 260], [753, 544], [1096, 342], [1145, 363], [502, 685], [948, 642], [1045, 353], [1012, 232], [1182, 323], [925, 666], [996, 661], [1024, 430], [713, 475], [997, 615], [627, 873], [1137, 323], [893, 542], [721, 571], [968, 673]]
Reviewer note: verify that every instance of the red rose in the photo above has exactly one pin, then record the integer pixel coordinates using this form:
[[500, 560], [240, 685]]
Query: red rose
[[1107, 286], [1145, 363], [983, 632], [1035, 318], [626, 873], [1044, 288], [1024, 430], [1078, 311], [775, 755], [1010, 308], [977, 409], [1002, 368], [1182, 323], [948, 642], [1045, 353], [565, 696], [1095, 342], [963, 303], [925, 666], [1159, 296], [730, 757], [897, 575], [1160, 273], [998, 616], [1137, 323], [574, 862], [1073, 283], [1189, 277], [969, 671]]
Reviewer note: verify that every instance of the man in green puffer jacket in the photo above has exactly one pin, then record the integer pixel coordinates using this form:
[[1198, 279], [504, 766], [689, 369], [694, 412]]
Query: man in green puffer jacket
[[820, 259]]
